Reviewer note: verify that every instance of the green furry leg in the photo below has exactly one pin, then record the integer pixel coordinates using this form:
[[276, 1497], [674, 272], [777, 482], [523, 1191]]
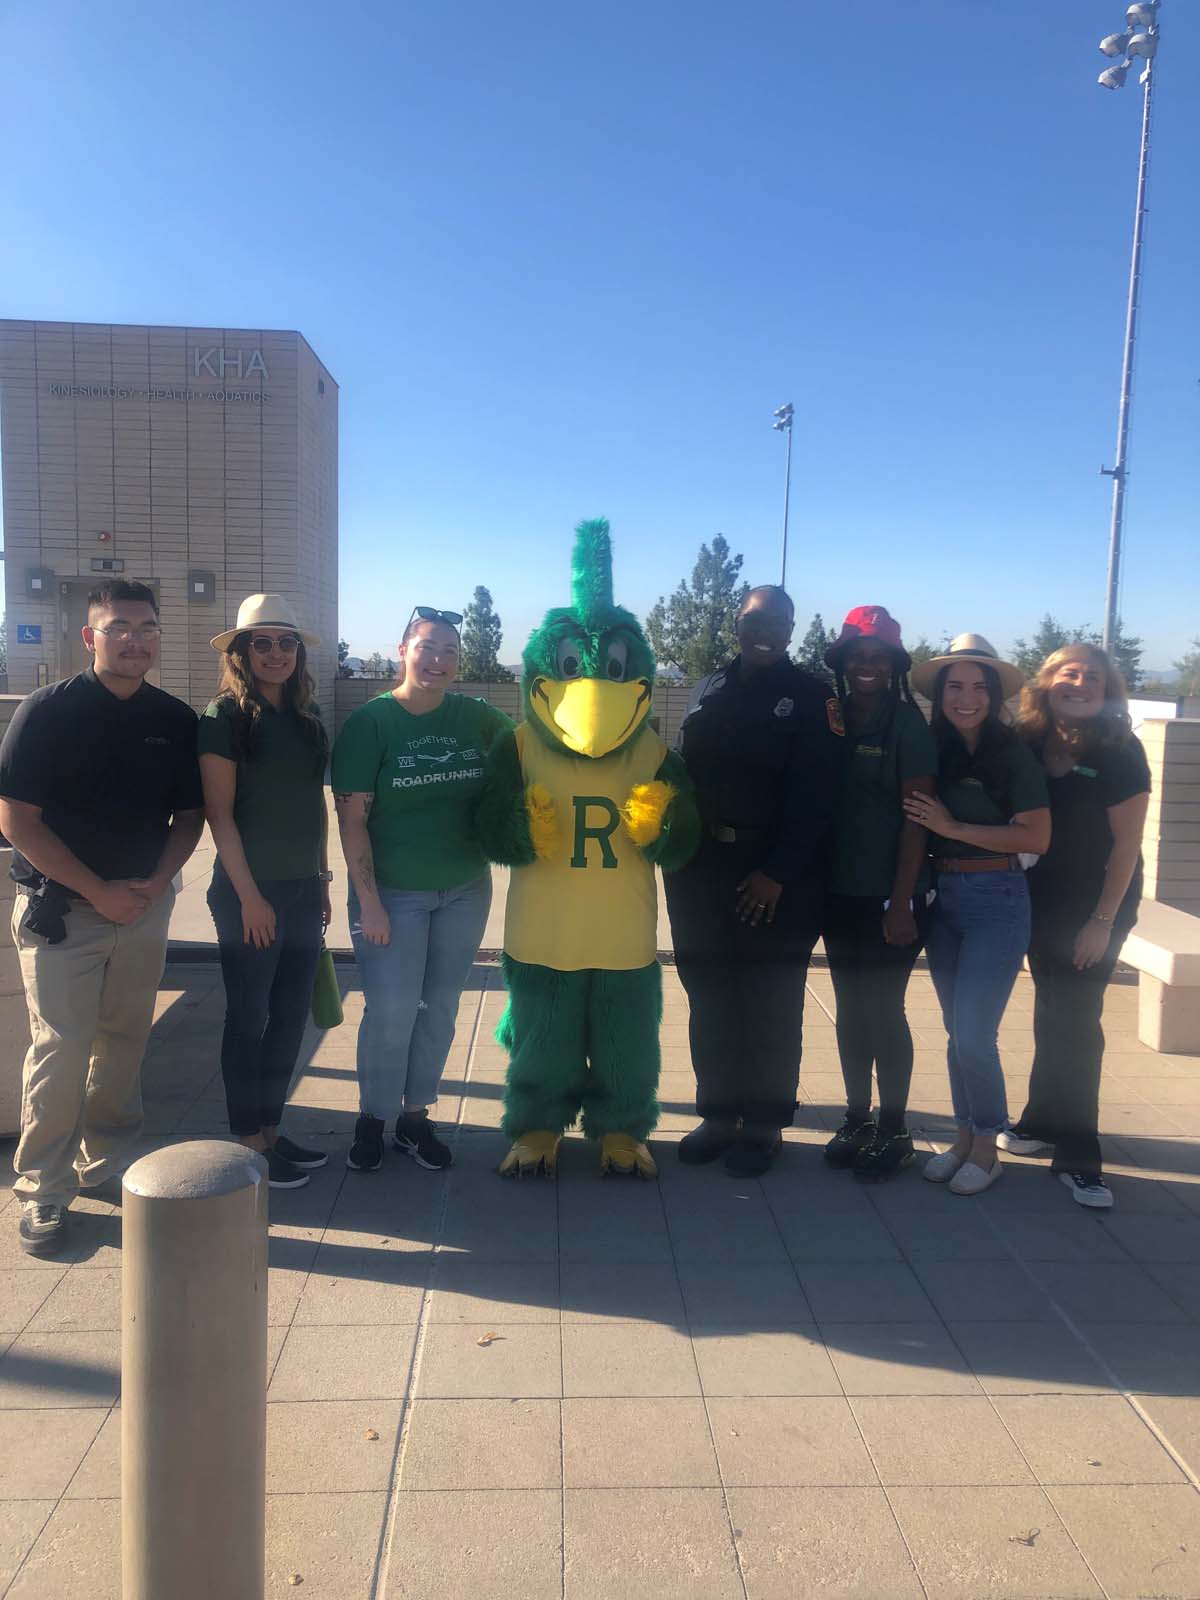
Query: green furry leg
[[621, 1091], [544, 1030]]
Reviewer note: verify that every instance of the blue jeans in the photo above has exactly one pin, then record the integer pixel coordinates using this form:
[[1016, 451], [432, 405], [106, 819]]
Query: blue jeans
[[411, 989], [268, 996], [977, 941]]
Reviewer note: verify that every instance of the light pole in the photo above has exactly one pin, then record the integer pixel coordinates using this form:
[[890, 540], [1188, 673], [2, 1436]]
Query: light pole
[[1138, 42], [783, 424]]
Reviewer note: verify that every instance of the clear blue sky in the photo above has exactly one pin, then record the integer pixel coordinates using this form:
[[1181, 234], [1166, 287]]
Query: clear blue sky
[[566, 261]]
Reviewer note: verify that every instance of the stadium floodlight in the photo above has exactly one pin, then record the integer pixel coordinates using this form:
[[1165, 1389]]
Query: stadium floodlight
[[1144, 44], [783, 424], [1142, 15], [1113, 77], [1113, 44]]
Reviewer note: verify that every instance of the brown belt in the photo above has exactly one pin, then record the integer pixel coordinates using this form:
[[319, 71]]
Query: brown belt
[[977, 864]]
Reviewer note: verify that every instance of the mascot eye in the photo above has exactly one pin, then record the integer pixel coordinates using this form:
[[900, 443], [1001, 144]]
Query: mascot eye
[[569, 658], [617, 656]]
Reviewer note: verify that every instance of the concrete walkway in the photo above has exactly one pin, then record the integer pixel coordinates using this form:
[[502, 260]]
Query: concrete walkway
[[693, 1388]]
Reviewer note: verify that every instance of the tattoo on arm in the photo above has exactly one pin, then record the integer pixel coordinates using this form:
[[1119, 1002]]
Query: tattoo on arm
[[366, 870], [368, 802]]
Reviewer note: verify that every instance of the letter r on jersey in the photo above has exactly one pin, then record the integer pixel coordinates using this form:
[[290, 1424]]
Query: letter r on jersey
[[601, 832]]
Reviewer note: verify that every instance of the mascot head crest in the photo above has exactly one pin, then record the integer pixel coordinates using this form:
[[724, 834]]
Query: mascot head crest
[[588, 670]]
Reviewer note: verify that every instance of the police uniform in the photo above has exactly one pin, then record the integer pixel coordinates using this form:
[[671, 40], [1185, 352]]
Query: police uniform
[[764, 751]]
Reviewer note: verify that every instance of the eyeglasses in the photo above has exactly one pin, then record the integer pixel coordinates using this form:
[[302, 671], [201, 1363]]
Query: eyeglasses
[[122, 633], [430, 614], [289, 643]]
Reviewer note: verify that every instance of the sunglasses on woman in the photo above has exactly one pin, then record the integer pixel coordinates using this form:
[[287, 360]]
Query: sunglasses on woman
[[262, 644], [430, 614]]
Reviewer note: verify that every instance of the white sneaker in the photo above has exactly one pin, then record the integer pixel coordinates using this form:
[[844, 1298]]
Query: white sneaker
[[970, 1179], [940, 1169], [1088, 1189], [1017, 1146]]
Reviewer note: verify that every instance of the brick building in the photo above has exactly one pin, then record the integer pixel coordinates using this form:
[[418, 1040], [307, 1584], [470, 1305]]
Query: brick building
[[202, 461]]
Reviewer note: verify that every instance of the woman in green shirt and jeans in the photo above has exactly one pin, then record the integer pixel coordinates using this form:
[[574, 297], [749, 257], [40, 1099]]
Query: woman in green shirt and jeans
[[991, 808], [263, 752], [407, 773]]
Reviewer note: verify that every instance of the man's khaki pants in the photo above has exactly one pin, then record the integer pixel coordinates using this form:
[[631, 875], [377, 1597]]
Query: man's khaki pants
[[91, 1008]]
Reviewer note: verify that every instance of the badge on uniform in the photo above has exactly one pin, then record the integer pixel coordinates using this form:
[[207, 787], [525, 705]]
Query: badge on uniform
[[833, 710], [785, 707]]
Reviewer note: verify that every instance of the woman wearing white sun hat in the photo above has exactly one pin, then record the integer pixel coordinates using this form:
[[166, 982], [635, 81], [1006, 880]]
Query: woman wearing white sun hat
[[991, 807], [263, 753]]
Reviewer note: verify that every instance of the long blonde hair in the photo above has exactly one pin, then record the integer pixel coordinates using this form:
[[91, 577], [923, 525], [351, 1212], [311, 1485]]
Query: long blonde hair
[[237, 687], [1111, 726]]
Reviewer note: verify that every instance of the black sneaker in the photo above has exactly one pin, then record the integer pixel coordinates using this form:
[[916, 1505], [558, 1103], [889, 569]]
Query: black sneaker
[[307, 1160], [884, 1157], [366, 1153], [417, 1137], [43, 1228], [711, 1139], [281, 1174], [854, 1135], [754, 1152], [1088, 1189]]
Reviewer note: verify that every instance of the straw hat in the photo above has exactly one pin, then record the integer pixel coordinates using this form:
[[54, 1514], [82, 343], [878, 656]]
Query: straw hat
[[967, 647], [264, 611]]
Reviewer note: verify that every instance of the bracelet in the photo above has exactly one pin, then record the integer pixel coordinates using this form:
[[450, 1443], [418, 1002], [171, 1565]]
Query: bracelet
[[325, 877], [1098, 916]]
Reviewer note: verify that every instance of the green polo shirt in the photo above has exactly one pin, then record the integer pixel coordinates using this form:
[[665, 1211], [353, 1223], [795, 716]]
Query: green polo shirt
[[426, 775], [279, 803], [880, 758], [1023, 788]]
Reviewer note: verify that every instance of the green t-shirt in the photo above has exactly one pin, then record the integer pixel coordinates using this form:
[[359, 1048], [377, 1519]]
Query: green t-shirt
[[426, 774], [896, 746], [1023, 788], [279, 804]]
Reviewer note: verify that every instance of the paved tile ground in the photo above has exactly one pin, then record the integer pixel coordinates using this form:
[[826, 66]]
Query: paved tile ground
[[697, 1387]]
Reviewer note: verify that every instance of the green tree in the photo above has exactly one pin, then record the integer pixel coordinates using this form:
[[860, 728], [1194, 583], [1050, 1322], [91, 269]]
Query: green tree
[[479, 662], [1052, 635], [810, 652], [1188, 668], [3, 644], [923, 650], [377, 666], [343, 670], [693, 630]]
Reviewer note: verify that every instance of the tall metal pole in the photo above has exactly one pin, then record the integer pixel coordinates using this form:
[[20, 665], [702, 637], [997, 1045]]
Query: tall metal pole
[[1117, 471], [787, 494]]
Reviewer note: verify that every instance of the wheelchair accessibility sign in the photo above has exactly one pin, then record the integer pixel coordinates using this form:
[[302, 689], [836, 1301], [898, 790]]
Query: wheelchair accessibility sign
[[29, 633]]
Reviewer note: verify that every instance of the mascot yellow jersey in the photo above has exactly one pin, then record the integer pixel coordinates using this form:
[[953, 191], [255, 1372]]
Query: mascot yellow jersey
[[594, 902]]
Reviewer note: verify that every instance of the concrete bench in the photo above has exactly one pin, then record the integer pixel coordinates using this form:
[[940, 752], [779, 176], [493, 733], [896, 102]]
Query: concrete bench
[[1165, 949]]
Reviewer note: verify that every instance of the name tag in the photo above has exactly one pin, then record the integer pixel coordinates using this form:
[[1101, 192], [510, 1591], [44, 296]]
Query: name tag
[[1086, 772], [868, 750]]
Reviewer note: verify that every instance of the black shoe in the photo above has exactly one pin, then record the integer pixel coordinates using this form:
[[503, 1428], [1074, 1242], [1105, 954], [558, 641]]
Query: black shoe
[[711, 1139], [366, 1153], [884, 1157], [754, 1152], [417, 1137], [43, 1228], [1088, 1188], [854, 1135], [307, 1160], [281, 1174]]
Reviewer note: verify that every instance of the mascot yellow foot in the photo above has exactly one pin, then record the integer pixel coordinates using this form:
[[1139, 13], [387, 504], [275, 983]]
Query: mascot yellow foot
[[621, 1152], [531, 1154]]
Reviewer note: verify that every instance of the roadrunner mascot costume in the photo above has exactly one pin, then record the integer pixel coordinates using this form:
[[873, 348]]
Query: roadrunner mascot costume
[[583, 800]]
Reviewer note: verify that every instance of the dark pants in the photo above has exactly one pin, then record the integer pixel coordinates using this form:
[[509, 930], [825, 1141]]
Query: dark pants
[[869, 979], [745, 986], [268, 996], [1064, 1083]]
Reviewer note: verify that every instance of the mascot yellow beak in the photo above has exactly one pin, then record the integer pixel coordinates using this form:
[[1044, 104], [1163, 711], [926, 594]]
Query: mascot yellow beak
[[590, 716]]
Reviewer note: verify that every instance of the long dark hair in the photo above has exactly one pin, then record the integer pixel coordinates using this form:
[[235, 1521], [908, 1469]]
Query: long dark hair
[[898, 691], [237, 689], [986, 763]]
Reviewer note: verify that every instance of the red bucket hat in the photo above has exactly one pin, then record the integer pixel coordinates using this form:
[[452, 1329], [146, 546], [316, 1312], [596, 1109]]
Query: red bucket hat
[[868, 622]]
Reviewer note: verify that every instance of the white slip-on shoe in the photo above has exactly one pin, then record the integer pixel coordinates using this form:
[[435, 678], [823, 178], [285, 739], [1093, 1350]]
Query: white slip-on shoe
[[1015, 1145], [971, 1179], [940, 1169]]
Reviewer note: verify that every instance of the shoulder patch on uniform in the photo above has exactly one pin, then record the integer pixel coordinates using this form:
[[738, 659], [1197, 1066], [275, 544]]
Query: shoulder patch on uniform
[[833, 710], [785, 707]]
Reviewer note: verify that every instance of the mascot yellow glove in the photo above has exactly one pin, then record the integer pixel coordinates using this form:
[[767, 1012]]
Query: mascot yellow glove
[[543, 821], [645, 809]]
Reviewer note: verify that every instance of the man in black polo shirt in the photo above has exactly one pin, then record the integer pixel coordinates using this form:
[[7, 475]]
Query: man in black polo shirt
[[100, 798]]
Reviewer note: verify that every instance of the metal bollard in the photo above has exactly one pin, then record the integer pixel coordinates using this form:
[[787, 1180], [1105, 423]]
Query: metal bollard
[[194, 1374]]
